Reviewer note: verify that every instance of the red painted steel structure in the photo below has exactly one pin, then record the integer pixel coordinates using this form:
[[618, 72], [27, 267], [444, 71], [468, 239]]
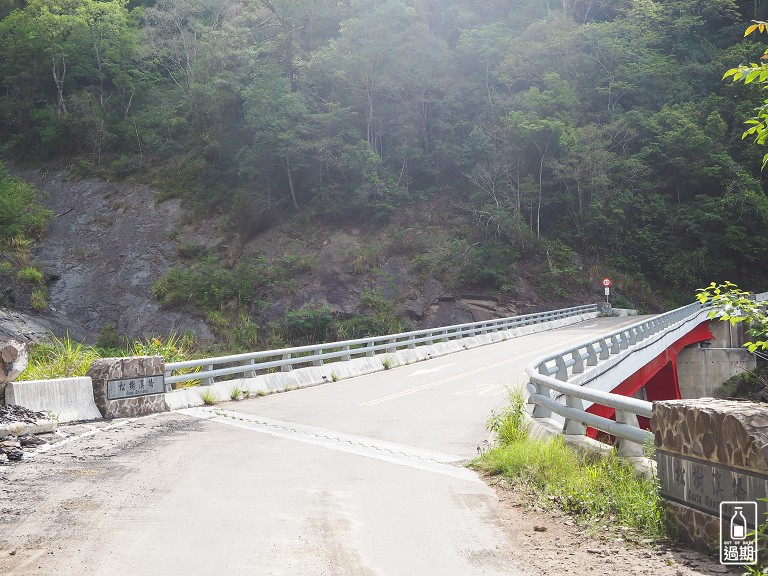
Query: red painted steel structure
[[658, 377]]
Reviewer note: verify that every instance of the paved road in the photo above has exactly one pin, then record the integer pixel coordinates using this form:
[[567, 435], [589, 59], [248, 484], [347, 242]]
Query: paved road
[[356, 477]]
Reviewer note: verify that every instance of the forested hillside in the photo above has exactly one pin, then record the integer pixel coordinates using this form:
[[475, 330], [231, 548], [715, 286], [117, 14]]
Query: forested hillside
[[600, 127]]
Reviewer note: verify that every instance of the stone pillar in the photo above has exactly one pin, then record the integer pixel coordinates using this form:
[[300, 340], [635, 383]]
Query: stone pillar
[[709, 451], [128, 387]]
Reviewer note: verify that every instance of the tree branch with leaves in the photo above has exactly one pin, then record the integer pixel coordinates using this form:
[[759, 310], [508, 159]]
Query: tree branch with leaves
[[748, 74], [730, 304]]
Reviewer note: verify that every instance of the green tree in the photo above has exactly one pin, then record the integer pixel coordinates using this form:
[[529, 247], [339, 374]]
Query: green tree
[[754, 73]]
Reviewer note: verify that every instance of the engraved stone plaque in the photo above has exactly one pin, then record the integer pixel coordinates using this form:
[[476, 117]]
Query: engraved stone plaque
[[137, 386], [129, 387], [704, 485]]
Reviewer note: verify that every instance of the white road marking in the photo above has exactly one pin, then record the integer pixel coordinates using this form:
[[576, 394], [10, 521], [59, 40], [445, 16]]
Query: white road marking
[[493, 390], [430, 370], [532, 355]]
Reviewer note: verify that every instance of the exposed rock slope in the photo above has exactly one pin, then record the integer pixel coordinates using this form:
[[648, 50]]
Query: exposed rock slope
[[106, 246]]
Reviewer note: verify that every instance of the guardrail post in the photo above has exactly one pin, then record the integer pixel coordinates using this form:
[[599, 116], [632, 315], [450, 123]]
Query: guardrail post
[[538, 410], [319, 361], [591, 355], [572, 426], [392, 349], [562, 369], [605, 352], [370, 353], [615, 345], [286, 367], [623, 340], [346, 357], [209, 380], [250, 373], [626, 447], [578, 362]]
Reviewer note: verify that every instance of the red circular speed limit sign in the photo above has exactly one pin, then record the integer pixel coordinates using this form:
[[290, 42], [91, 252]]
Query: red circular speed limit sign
[[606, 282]]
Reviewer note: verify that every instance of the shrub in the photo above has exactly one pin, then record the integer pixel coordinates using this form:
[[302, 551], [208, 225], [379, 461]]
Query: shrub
[[38, 301], [509, 424], [31, 275], [308, 324], [21, 216], [109, 338], [210, 286]]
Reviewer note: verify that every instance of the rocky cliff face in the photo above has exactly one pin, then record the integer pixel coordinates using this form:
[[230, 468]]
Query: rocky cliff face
[[110, 242], [106, 246]]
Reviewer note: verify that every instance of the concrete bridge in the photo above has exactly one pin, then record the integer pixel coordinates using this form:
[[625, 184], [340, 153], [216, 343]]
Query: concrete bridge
[[355, 470]]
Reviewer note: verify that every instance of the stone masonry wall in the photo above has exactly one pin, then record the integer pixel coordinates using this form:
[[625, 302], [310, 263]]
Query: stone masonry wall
[[727, 439], [106, 369]]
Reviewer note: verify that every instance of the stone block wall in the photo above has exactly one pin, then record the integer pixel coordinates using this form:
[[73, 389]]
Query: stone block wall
[[709, 451], [128, 370]]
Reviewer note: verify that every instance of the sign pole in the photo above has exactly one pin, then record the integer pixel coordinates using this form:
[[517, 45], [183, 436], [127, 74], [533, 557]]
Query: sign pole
[[606, 282]]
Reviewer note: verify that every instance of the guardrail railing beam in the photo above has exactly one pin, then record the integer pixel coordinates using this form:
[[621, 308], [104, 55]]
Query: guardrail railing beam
[[626, 427], [286, 359]]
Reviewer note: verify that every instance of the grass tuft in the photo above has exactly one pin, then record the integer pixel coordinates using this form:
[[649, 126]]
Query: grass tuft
[[594, 488], [59, 358], [209, 397]]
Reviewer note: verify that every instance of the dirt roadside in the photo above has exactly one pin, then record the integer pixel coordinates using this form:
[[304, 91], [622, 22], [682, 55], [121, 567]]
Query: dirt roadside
[[48, 502]]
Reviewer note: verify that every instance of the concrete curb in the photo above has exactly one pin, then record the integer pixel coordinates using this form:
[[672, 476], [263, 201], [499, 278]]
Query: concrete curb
[[66, 399], [334, 371]]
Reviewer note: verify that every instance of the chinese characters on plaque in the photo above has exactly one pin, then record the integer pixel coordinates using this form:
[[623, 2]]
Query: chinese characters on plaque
[[735, 495], [137, 386]]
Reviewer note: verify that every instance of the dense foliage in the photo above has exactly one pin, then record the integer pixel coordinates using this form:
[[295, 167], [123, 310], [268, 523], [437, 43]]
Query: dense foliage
[[22, 218], [600, 125], [22, 221], [730, 304]]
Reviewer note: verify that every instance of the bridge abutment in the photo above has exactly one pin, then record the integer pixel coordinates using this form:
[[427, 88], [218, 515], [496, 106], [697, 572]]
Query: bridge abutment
[[701, 370]]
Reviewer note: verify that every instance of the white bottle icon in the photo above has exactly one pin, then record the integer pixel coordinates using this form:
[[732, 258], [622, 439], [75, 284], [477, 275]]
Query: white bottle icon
[[738, 525]]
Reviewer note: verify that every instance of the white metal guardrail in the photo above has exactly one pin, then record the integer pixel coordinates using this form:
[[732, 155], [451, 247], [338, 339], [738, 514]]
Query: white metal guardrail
[[552, 374], [247, 365]]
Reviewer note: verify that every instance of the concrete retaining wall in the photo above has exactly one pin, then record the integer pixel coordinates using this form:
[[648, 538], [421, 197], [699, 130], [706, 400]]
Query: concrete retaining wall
[[700, 371], [67, 399]]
